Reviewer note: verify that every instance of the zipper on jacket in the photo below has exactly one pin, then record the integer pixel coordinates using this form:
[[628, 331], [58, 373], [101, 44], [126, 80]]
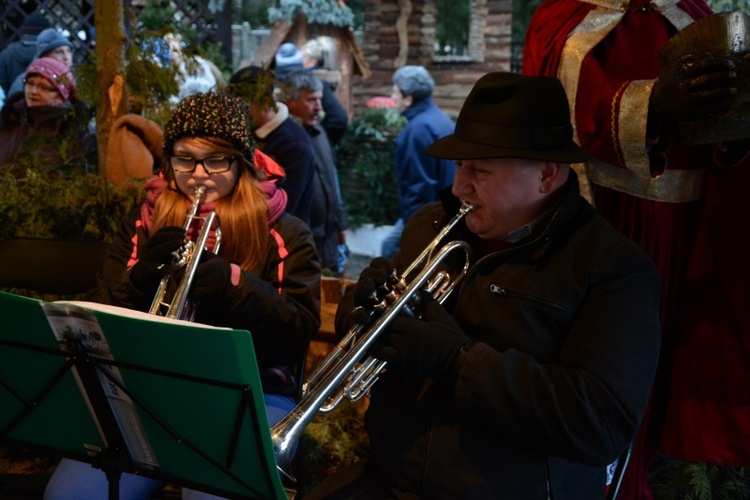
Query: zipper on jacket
[[546, 479], [543, 238], [499, 290]]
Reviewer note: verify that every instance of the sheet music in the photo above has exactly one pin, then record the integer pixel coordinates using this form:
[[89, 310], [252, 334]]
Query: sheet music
[[130, 313], [71, 323]]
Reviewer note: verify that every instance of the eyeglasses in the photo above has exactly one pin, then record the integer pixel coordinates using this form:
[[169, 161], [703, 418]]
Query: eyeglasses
[[212, 165], [39, 85]]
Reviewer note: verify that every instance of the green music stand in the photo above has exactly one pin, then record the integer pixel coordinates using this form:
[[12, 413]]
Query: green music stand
[[176, 401]]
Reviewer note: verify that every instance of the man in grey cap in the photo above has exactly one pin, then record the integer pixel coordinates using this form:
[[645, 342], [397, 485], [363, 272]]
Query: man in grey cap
[[16, 56], [419, 177], [49, 43], [532, 377]]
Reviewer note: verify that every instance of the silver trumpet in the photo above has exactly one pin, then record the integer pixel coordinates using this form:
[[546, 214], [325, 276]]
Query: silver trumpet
[[188, 257], [347, 372]]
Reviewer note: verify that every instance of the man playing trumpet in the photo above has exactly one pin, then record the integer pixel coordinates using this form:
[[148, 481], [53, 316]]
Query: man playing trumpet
[[534, 374]]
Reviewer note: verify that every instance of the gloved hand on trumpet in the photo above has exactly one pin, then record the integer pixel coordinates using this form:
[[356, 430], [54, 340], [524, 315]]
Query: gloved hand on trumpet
[[211, 281], [423, 341], [425, 348], [156, 258], [367, 297]]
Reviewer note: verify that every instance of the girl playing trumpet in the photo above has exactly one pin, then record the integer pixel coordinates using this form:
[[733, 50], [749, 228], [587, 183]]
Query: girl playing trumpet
[[265, 277]]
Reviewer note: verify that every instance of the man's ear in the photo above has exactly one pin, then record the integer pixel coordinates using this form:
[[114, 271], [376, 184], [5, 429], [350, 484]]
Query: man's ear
[[408, 101], [554, 175]]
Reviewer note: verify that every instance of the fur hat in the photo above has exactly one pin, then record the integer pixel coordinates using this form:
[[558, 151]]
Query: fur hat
[[414, 81], [211, 115], [507, 115], [54, 71], [34, 24], [48, 40], [134, 150]]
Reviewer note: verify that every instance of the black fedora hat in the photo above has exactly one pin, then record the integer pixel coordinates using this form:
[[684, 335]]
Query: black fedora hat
[[508, 115]]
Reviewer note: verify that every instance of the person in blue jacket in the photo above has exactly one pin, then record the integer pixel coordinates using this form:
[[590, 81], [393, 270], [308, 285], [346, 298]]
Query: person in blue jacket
[[419, 177]]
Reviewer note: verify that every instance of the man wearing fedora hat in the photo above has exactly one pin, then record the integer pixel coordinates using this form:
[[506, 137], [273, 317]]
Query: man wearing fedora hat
[[532, 377]]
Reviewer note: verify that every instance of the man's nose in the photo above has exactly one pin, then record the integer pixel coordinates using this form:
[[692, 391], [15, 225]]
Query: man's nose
[[460, 186]]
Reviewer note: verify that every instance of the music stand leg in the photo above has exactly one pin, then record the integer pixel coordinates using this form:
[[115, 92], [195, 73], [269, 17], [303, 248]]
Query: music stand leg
[[112, 463]]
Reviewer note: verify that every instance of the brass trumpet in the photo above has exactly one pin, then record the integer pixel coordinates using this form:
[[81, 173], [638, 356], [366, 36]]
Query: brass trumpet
[[346, 372], [188, 257]]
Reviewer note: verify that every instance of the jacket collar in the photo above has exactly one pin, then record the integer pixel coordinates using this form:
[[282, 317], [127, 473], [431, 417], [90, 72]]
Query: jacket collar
[[543, 230], [417, 108], [282, 113]]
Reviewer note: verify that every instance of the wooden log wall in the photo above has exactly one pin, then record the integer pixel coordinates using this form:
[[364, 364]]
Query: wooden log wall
[[396, 28]]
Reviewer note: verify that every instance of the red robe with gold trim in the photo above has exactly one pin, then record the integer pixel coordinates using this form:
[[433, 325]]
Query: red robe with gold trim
[[677, 202]]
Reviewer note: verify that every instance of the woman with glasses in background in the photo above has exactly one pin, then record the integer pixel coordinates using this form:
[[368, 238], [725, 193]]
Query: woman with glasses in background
[[46, 109], [265, 277], [49, 43]]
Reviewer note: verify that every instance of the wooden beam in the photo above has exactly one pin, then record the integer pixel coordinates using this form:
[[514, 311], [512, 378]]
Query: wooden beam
[[270, 45]]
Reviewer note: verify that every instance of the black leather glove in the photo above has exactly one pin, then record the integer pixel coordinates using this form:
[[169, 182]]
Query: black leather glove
[[371, 287], [427, 349], [212, 279], [367, 294], [155, 258], [695, 87]]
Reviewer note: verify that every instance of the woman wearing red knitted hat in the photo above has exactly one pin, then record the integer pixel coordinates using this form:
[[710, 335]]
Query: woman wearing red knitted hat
[[46, 108]]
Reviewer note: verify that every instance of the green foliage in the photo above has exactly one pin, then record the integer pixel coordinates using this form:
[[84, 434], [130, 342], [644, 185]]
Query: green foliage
[[80, 207], [255, 88], [254, 12], [452, 26], [160, 17], [87, 83], [331, 442], [366, 167], [73, 149], [358, 9], [150, 83], [672, 479], [316, 12], [156, 15]]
